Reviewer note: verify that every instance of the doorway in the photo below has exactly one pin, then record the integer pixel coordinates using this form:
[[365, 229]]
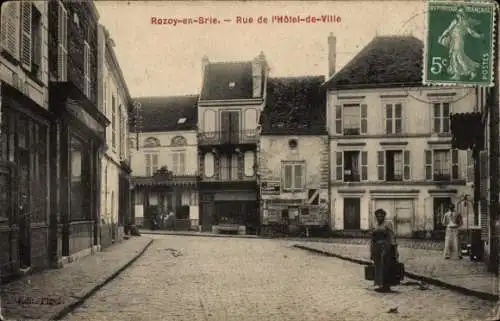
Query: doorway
[[24, 221], [352, 213]]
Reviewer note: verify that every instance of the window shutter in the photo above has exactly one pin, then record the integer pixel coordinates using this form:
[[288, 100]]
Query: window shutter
[[436, 116], [364, 166], [299, 176], [339, 167], [484, 173], [10, 28], [26, 34], [428, 164], [148, 164], [287, 177], [406, 165], [86, 68], [454, 164], [364, 118], [398, 118], [338, 119], [470, 166], [62, 43], [381, 165], [388, 119], [182, 163]]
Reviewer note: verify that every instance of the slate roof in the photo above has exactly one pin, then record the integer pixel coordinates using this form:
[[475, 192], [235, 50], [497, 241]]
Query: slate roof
[[217, 77], [163, 113], [294, 105], [387, 61]]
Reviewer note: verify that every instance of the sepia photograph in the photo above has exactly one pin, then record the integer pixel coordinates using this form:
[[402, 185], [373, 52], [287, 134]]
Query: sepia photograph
[[249, 160]]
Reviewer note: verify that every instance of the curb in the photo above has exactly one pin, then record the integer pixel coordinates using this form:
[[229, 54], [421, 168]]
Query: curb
[[78, 299], [478, 294], [203, 235]]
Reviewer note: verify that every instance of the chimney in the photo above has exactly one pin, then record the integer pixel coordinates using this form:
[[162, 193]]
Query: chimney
[[258, 65], [332, 54], [204, 62]]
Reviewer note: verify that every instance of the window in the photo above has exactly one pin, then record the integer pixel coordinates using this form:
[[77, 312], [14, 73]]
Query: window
[[352, 166], [293, 176], [209, 165], [113, 123], [36, 42], [441, 205], [351, 119], [393, 165], [178, 141], [441, 117], [178, 162], [26, 34], [181, 120], [62, 43], [10, 32], [393, 118], [229, 167], [232, 84], [79, 185], [151, 164], [441, 165], [249, 163], [86, 68], [151, 142]]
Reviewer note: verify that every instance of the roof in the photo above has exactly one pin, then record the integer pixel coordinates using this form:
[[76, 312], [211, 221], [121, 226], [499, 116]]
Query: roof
[[294, 105], [159, 114], [387, 61], [218, 77]]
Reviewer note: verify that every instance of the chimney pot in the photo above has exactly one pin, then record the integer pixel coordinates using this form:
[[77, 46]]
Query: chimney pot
[[332, 54]]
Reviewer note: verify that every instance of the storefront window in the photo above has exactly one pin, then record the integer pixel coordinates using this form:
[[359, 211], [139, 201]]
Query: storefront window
[[77, 179]]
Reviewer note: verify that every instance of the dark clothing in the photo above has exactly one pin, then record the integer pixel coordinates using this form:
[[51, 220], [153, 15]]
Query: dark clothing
[[383, 253]]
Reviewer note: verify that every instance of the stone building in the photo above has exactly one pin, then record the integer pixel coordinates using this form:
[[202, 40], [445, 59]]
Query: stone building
[[293, 157]]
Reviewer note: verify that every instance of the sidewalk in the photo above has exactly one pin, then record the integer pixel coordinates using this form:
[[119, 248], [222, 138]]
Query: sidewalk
[[194, 233], [470, 278], [51, 294]]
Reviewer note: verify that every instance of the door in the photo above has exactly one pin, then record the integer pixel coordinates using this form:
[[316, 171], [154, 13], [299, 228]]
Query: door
[[404, 217], [24, 209], [207, 209], [230, 127], [352, 215], [440, 205]]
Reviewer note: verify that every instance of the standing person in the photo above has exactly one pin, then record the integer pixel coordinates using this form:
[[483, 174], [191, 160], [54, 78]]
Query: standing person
[[452, 220], [383, 251]]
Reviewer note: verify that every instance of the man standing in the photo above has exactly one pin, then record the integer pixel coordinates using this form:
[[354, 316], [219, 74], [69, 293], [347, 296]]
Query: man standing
[[452, 220]]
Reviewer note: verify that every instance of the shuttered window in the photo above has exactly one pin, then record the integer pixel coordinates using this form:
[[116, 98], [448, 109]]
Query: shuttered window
[[26, 42], [86, 71], [10, 28], [62, 43], [151, 164]]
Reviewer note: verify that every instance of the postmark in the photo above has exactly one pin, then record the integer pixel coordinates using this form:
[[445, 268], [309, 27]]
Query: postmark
[[459, 43]]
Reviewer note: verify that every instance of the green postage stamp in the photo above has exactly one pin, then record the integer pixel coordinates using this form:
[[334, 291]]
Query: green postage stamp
[[459, 45]]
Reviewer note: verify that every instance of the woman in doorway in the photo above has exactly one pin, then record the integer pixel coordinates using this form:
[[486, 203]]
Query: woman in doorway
[[383, 251]]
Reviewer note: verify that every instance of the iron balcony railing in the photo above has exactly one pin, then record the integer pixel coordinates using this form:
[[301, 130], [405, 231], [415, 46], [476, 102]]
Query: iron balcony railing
[[229, 174], [228, 137]]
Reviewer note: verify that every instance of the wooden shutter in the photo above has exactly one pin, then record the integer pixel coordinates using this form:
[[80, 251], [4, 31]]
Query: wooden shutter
[[287, 176], [470, 166], [406, 165], [86, 69], [454, 164], [364, 118], [339, 166], [62, 43], [484, 173], [364, 166], [338, 119], [381, 165], [26, 13], [10, 28], [436, 117], [398, 118], [388, 119], [148, 164], [298, 174], [428, 164]]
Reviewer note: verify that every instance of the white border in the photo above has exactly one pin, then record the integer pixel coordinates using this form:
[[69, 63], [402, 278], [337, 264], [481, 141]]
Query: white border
[[426, 82]]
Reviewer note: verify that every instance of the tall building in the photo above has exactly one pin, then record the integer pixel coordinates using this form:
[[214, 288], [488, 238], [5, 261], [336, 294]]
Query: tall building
[[115, 103], [231, 100], [390, 142], [25, 209], [165, 160]]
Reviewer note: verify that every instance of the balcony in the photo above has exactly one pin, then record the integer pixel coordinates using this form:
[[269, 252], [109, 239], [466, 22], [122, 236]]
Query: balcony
[[167, 179], [244, 137], [229, 174], [441, 177]]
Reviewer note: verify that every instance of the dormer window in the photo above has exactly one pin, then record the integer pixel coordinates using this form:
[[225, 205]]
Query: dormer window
[[181, 120], [232, 84]]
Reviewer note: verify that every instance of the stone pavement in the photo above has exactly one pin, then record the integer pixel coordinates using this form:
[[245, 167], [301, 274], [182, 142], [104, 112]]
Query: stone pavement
[[220, 279], [52, 293], [429, 266]]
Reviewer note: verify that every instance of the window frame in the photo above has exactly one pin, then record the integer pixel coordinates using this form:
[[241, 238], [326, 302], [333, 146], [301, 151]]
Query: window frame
[[294, 187], [393, 119], [440, 118]]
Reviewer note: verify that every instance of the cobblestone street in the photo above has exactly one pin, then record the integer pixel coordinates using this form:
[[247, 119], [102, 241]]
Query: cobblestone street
[[217, 279]]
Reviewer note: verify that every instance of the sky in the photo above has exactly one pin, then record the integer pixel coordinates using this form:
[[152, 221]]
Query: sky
[[163, 59]]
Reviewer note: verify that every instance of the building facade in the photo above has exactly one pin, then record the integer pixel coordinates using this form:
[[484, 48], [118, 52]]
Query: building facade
[[231, 100], [77, 133], [115, 102], [293, 156], [390, 143], [164, 154], [24, 149]]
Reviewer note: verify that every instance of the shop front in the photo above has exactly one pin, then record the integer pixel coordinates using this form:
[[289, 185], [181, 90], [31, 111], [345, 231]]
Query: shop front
[[78, 138]]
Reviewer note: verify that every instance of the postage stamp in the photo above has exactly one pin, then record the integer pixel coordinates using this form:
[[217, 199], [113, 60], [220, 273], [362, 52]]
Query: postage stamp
[[459, 43]]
